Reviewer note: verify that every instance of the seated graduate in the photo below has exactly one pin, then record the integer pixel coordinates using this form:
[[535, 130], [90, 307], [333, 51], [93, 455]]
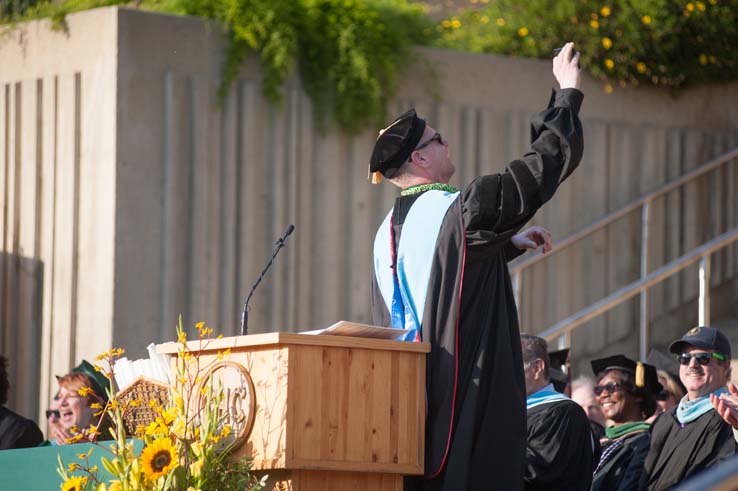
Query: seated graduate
[[560, 446], [693, 436], [627, 392], [78, 391], [15, 430]]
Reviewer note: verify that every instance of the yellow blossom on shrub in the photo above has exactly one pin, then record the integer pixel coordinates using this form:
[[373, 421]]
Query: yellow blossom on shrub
[[484, 19], [700, 6], [500, 21], [605, 11], [522, 32], [594, 24], [689, 7], [641, 67], [608, 89], [646, 19], [609, 64], [703, 59], [606, 43]]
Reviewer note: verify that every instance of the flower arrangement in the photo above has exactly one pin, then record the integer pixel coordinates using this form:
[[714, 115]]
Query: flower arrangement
[[185, 445]]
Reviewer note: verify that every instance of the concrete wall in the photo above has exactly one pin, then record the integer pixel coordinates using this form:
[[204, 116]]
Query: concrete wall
[[141, 199]]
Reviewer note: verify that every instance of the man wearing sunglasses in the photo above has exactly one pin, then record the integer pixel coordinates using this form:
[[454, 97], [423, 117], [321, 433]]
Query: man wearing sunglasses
[[440, 271], [692, 436]]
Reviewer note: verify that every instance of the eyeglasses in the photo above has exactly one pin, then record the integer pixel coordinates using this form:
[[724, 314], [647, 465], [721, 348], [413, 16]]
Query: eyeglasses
[[610, 387], [52, 412], [702, 358], [437, 137]]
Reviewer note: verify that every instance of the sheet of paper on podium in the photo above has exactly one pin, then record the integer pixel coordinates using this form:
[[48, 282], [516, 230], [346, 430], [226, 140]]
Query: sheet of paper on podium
[[353, 329]]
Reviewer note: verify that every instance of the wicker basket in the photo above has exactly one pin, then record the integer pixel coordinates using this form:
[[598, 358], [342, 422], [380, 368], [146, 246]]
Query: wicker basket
[[144, 390]]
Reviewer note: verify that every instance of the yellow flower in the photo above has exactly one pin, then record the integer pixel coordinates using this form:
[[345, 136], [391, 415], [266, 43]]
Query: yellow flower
[[74, 483], [700, 6], [703, 59], [456, 23], [84, 391], [484, 19], [641, 67], [646, 19], [114, 486], [594, 24], [500, 21], [609, 64], [196, 468], [713, 2], [158, 458], [690, 7], [181, 337], [522, 32], [608, 89], [712, 59], [607, 43], [605, 11]]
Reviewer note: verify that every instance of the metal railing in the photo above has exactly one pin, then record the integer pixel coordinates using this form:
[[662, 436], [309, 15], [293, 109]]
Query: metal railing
[[644, 203]]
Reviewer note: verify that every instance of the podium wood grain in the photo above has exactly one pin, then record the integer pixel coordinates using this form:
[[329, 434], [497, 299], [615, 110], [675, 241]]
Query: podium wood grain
[[333, 408]]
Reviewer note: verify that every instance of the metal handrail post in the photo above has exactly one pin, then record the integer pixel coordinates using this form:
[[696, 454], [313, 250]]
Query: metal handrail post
[[643, 331], [517, 290], [704, 309]]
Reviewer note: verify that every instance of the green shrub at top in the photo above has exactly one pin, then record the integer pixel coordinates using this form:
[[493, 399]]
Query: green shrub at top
[[661, 42], [349, 53]]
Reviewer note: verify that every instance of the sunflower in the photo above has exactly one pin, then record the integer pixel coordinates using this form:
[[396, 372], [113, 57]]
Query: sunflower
[[158, 458], [74, 483]]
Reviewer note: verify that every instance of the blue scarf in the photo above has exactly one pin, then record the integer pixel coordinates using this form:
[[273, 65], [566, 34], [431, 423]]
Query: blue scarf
[[688, 411], [544, 396]]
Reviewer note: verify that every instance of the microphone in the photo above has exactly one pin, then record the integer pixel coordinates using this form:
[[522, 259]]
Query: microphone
[[277, 246]]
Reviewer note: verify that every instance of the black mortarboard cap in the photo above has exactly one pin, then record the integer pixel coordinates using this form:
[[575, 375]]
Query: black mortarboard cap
[[99, 381], [558, 369], [645, 375], [396, 142], [704, 337]]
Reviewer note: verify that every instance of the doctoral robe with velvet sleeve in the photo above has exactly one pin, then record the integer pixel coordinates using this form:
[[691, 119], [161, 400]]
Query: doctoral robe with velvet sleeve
[[476, 418]]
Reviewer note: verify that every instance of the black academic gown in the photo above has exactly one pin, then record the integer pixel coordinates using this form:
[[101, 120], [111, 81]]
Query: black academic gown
[[623, 464], [678, 453], [475, 368], [17, 431], [559, 450]]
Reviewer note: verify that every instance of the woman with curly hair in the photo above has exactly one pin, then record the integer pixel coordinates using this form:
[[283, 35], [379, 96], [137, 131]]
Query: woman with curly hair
[[627, 392]]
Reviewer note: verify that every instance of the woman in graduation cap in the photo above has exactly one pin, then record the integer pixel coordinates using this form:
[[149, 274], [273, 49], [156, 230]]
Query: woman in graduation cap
[[627, 392]]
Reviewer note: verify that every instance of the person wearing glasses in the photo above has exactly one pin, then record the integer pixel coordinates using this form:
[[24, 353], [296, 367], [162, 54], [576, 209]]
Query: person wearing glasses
[[78, 390], [440, 272], [15, 430], [560, 446], [692, 436], [626, 391]]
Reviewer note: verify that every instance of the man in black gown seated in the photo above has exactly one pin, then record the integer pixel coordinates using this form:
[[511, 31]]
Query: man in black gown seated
[[560, 446], [692, 436]]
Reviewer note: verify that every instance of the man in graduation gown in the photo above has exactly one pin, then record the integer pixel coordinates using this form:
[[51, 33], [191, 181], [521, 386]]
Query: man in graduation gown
[[692, 436], [440, 271], [560, 446]]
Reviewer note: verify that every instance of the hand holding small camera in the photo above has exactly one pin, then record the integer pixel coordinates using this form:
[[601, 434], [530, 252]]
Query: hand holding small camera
[[566, 67]]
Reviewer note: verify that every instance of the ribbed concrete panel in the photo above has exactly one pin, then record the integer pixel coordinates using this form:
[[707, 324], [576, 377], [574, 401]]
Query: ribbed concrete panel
[[130, 195]]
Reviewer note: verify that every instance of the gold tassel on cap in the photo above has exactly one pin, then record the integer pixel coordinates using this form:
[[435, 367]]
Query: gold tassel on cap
[[640, 375], [376, 177]]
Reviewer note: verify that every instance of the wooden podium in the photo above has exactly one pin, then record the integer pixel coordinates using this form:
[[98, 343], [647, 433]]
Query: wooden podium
[[321, 412]]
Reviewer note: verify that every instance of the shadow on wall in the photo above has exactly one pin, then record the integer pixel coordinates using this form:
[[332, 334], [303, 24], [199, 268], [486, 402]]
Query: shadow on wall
[[21, 300]]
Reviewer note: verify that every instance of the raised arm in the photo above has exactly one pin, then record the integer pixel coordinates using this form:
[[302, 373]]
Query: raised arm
[[502, 203]]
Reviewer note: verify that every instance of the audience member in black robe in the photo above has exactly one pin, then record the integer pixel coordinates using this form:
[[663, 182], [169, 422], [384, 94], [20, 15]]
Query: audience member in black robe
[[560, 445], [627, 392], [15, 430], [693, 436], [437, 242]]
